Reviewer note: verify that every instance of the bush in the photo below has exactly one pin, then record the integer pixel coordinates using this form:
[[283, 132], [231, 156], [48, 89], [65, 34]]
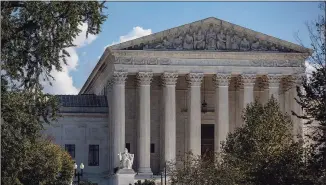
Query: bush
[[48, 164], [146, 182]]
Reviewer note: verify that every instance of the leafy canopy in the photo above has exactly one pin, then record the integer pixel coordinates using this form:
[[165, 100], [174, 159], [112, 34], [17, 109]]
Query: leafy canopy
[[34, 39]]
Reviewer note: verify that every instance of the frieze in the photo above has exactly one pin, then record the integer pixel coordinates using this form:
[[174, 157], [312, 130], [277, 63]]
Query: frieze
[[210, 55], [207, 62]]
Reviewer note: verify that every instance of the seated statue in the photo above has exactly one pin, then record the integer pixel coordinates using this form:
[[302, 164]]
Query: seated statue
[[126, 159]]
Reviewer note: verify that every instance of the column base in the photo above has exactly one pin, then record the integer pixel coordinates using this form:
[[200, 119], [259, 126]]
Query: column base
[[144, 172]]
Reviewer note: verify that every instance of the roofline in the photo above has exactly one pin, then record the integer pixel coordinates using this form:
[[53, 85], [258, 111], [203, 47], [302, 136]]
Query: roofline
[[95, 69]]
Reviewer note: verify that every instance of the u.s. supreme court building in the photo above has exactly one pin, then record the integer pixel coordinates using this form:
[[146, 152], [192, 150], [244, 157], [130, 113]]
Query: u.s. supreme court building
[[179, 90]]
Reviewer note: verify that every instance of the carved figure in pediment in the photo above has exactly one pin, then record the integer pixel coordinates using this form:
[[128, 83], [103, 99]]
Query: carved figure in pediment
[[235, 40], [177, 43], [211, 39], [263, 46], [255, 46], [199, 40], [228, 40], [273, 47], [165, 44], [221, 41], [159, 46], [188, 42], [244, 45]]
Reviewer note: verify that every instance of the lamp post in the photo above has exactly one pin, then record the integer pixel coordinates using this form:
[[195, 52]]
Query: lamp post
[[78, 174]]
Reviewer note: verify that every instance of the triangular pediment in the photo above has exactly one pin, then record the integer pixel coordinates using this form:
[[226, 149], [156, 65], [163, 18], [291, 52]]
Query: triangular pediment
[[210, 34]]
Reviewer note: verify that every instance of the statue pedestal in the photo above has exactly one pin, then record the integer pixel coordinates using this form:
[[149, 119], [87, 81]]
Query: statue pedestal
[[124, 177]]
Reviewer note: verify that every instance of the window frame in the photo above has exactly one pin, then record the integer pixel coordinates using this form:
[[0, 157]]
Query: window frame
[[93, 150], [68, 149]]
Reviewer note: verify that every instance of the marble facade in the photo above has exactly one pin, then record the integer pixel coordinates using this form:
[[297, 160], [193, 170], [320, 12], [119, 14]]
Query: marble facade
[[155, 87]]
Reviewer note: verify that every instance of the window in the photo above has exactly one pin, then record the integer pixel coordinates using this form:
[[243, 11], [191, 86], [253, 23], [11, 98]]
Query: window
[[128, 147], [93, 155], [70, 148], [152, 148]]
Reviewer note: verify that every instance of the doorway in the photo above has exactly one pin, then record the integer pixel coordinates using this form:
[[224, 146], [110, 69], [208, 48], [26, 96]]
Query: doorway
[[207, 139]]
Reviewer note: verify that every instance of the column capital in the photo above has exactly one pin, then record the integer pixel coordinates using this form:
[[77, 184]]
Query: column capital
[[169, 78], [194, 79], [274, 79], [144, 78], [248, 79], [222, 79], [119, 77], [296, 79]]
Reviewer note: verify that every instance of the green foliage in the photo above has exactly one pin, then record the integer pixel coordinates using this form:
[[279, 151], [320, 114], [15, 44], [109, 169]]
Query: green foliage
[[261, 152], [20, 128], [194, 170], [312, 95], [67, 169], [48, 164], [263, 149], [145, 182], [34, 36]]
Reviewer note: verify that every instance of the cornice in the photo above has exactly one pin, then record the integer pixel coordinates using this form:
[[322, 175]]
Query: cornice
[[209, 55]]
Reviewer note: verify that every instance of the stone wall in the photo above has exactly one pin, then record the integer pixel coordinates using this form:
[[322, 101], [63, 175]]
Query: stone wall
[[83, 129]]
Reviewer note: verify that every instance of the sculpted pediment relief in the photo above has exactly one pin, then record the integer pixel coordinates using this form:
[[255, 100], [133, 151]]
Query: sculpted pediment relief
[[210, 34]]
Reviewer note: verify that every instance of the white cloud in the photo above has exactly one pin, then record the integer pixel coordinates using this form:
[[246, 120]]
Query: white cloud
[[63, 81], [135, 33]]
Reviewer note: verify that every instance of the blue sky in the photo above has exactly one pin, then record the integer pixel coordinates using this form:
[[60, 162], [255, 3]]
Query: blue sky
[[128, 20]]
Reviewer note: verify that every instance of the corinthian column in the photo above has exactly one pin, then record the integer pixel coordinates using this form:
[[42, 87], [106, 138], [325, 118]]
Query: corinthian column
[[169, 82], [295, 107], [221, 109], [248, 88], [110, 127], [144, 125], [118, 114], [194, 110], [274, 85]]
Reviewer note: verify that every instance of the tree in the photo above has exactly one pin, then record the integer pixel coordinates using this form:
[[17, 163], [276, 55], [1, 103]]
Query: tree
[[48, 164], [263, 150], [34, 36], [312, 94], [206, 170]]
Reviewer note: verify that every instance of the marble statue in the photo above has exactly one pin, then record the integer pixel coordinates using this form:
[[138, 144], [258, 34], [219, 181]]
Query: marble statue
[[188, 42], [211, 39], [255, 46], [228, 40], [235, 42], [126, 159], [221, 41], [244, 45], [199, 40], [177, 43]]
